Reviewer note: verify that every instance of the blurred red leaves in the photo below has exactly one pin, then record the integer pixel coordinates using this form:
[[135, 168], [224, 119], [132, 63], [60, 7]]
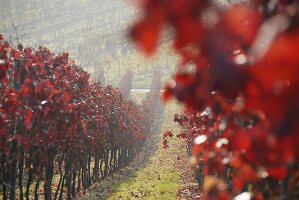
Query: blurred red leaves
[[277, 172], [146, 34], [244, 87], [243, 22]]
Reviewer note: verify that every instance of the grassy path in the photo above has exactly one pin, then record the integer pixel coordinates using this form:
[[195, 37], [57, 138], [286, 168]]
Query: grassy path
[[159, 178], [156, 173]]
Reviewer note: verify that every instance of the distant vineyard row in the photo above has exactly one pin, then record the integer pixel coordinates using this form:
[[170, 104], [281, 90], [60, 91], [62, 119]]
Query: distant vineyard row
[[93, 32]]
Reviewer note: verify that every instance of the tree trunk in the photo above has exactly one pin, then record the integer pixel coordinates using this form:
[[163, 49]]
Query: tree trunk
[[84, 170], [60, 177], [89, 170], [101, 165], [68, 174], [4, 177], [49, 175], [13, 171], [61, 189], [74, 183], [21, 172], [79, 181], [119, 159], [95, 176], [36, 190], [106, 159], [30, 178], [110, 161]]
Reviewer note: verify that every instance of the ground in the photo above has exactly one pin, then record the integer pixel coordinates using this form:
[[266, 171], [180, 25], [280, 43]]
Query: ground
[[156, 173]]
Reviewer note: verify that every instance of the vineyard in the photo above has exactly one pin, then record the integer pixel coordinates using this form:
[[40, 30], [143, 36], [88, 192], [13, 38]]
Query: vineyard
[[66, 133], [93, 32], [56, 123]]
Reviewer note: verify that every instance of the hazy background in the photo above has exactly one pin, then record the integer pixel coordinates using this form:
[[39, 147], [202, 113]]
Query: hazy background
[[94, 32]]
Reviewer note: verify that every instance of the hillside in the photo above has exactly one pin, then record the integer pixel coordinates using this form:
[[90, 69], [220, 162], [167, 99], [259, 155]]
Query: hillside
[[93, 32]]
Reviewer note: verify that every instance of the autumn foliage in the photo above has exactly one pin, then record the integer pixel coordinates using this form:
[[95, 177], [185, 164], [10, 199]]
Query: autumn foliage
[[55, 122], [241, 96]]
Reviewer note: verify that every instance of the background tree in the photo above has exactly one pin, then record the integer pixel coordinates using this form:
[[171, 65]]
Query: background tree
[[125, 84]]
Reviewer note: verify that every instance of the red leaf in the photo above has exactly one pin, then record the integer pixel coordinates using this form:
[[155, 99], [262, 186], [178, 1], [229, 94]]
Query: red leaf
[[238, 183], [236, 162], [165, 144], [66, 97], [25, 90], [146, 34], [23, 140], [241, 141], [243, 21], [167, 134], [196, 149], [247, 173], [185, 79], [277, 172], [28, 119], [189, 31], [55, 91], [27, 80], [166, 95]]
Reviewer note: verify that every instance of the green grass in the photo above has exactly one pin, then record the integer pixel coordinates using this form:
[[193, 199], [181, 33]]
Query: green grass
[[137, 96], [159, 179]]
